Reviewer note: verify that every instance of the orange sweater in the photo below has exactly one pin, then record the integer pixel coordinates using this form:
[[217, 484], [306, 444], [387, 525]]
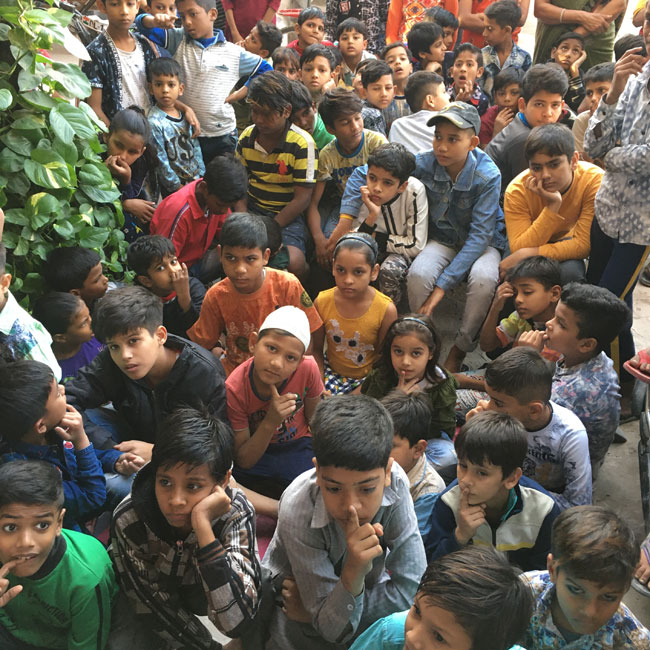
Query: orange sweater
[[560, 236]]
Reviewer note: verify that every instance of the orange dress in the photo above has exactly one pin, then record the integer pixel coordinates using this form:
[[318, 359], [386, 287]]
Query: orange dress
[[403, 14]]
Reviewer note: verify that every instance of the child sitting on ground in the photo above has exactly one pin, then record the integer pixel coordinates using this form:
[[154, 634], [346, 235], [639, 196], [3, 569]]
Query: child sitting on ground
[[352, 37], [470, 599], [465, 225], [534, 286], [237, 305], [447, 19], [309, 28], [179, 154], [281, 162], [519, 383], [426, 94], [427, 46], [182, 507], [153, 260], [506, 91], [569, 53], [501, 52], [22, 336], [341, 113], [408, 362], [286, 61], [317, 70], [56, 585], [549, 209], [398, 57], [597, 81], [491, 503], [271, 399], [75, 270], [467, 69], [377, 92], [278, 255], [355, 315], [192, 217], [67, 318], [587, 319], [337, 577], [37, 424], [411, 414], [578, 598], [383, 200], [144, 371], [304, 114]]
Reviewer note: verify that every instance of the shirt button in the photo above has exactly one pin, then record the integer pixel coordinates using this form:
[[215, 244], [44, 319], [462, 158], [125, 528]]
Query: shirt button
[[350, 607]]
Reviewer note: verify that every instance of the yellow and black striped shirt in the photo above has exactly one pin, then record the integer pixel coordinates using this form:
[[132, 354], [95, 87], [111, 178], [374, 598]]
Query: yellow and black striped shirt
[[272, 176]]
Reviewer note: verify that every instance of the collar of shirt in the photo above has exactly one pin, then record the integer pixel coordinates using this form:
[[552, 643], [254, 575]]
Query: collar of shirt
[[417, 473], [212, 40], [464, 179], [8, 313], [279, 149], [355, 152]]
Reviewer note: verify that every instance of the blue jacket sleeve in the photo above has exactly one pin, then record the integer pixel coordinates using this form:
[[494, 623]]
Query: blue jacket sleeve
[[442, 524], [252, 65], [423, 509], [107, 459], [170, 39], [351, 202], [86, 492]]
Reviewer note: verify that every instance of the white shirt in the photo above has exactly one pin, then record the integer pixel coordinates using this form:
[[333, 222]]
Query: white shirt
[[134, 78], [412, 131]]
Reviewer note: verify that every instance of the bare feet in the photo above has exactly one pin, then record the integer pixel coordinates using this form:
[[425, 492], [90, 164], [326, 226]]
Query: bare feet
[[454, 359]]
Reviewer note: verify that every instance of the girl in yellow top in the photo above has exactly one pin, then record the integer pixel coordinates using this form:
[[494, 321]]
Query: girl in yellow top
[[356, 316]]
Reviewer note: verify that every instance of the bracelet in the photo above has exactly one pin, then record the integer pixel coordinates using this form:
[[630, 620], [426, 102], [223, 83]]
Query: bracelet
[[562, 16]]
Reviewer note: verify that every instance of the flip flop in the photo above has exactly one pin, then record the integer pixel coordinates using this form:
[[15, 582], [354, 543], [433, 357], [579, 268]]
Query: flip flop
[[644, 357], [640, 587]]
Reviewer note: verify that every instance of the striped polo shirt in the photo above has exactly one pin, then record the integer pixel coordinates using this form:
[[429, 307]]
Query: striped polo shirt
[[272, 175]]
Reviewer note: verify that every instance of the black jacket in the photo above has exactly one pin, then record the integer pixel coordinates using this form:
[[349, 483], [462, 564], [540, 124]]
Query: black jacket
[[175, 320], [196, 378]]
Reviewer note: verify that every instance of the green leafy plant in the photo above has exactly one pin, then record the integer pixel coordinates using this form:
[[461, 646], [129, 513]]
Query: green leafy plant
[[54, 188]]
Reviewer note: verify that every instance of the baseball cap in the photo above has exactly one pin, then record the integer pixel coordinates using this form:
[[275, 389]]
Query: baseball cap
[[289, 319], [460, 114]]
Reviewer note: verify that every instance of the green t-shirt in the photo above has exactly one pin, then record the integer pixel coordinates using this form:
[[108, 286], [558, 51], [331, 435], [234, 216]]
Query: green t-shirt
[[321, 135], [66, 604]]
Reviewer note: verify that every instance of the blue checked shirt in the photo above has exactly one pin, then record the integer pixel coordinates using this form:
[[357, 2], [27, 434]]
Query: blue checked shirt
[[517, 58]]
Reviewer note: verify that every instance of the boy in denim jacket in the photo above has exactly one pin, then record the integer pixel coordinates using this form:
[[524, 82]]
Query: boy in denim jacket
[[466, 228]]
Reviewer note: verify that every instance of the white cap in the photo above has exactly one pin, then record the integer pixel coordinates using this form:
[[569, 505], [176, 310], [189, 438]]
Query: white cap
[[290, 319]]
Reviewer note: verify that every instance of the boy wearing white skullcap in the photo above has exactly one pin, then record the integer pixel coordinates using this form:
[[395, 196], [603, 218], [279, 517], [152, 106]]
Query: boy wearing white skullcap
[[271, 398]]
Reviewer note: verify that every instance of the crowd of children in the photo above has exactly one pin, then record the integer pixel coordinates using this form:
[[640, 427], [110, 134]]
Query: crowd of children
[[260, 424]]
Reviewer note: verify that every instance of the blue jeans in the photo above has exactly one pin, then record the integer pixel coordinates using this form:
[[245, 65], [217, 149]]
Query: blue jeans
[[218, 145], [440, 452]]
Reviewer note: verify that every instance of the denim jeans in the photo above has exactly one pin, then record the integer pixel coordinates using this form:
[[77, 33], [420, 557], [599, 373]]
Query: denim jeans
[[218, 145]]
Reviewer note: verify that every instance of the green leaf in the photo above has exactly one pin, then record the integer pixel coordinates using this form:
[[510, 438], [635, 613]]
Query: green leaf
[[67, 150], [33, 283], [47, 169], [41, 250], [91, 237], [22, 247], [28, 122], [40, 99], [18, 183], [16, 216], [16, 142], [10, 11], [6, 99], [71, 79], [61, 16], [92, 116], [101, 196], [4, 32], [11, 161], [10, 240], [68, 120], [104, 216], [96, 173], [64, 229], [41, 203], [28, 81]]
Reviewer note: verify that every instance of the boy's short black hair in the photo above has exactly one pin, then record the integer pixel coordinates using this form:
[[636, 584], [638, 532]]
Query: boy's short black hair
[[410, 413], [270, 35], [496, 438], [55, 311], [3, 258], [521, 373], [309, 13], [337, 103], [300, 97], [395, 158], [67, 268], [374, 71], [164, 66], [148, 250], [507, 77], [441, 17], [419, 85], [354, 432], [599, 73], [600, 314], [244, 230], [25, 387], [226, 178], [273, 233], [392, 46], [422, 36], [314, 50], [336, 55], [551, 140], [469, 47], [126, 310], [206, 5], [629, 42], [30, 483], [593, 543], [505, 13], [547, 77], [539, 268], [485, 594], [568, 35], [271, 90], [351, 25], [282, 54], [194, 437]]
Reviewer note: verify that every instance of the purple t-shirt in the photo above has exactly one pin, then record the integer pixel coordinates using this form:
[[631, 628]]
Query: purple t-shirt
[[89, 350]]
